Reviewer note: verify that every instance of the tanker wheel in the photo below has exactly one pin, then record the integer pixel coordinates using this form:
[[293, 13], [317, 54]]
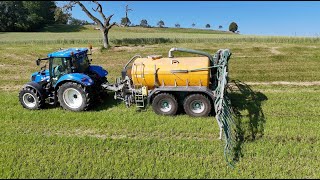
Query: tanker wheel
[[197, 105], [165, 104], [30, 99], [73, 97]]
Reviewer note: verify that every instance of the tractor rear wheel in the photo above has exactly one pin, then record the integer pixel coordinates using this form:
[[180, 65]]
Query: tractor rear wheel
[[165, 104], [72, 96], [197, 105], [30, 99]]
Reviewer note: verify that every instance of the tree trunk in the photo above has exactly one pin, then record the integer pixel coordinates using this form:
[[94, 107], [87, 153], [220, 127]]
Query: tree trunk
[[105, 38]]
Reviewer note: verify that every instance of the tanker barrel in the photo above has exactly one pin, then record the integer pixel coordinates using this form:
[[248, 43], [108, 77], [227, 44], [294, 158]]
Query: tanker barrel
[[190, 51]]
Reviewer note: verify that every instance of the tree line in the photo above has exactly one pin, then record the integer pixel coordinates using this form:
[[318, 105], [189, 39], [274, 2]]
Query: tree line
[[233, 27]]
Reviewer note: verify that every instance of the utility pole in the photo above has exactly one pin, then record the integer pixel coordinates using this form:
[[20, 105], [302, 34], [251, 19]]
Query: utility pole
[[127, 9]]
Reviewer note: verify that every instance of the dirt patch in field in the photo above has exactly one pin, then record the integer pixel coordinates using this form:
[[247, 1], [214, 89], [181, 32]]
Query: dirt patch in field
[[127, 48], [94, 49], [274, 50]]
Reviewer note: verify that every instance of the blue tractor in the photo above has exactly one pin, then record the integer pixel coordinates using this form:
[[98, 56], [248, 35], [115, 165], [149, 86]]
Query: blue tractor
[[70, 80]]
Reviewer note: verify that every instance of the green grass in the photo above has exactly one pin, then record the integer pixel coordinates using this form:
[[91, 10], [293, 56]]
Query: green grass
[[112, 141], [279, 124]]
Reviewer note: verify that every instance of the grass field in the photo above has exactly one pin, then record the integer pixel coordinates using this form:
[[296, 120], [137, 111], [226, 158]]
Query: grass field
[[279, 123]]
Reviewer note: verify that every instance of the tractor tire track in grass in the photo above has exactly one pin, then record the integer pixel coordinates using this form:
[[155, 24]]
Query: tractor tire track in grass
[[137, 136]]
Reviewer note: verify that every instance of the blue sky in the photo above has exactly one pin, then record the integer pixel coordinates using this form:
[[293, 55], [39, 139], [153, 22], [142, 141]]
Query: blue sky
[[290, 18]]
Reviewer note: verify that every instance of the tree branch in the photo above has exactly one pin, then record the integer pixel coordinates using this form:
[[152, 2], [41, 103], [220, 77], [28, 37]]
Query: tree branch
[[89, 14], [99, 9], [113, 24]]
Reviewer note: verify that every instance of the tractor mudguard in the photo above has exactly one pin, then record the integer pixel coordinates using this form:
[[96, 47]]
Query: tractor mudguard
[[98, 70], [75, 77], [35, 86]]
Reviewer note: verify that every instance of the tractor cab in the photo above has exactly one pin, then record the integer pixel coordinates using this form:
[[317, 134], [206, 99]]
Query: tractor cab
[[72, 60], [68, 80], [62, 62]]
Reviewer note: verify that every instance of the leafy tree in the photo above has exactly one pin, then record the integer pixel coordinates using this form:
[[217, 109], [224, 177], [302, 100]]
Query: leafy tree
[[233, 27], [125, 21], [104, 27], [40, 13], [144, 23], [160, 23], [60, 16], [220, 27], [193, 25], [208, 26], [177, 25], [26, 15], [10, 15]]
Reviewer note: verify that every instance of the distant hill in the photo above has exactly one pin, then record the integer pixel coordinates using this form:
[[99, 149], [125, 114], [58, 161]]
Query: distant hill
[[136, 29]]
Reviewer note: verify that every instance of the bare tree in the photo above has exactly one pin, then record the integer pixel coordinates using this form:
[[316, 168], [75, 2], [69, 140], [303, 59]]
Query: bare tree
[[104, 27]]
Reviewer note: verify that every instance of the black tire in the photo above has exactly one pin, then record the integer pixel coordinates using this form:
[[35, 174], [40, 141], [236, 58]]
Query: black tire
[[165, 104], [197, 105], [69, 92], [30, 99]]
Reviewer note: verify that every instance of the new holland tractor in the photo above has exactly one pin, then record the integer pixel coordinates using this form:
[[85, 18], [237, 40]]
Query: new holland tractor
[[70, 80]]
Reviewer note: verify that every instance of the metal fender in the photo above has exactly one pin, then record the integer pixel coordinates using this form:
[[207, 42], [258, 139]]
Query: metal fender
[[35, 86], [75, 77], [99, 70]]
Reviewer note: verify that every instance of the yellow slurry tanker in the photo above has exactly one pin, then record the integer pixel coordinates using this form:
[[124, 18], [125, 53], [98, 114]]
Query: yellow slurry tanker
[[197, 84], [168, 83]]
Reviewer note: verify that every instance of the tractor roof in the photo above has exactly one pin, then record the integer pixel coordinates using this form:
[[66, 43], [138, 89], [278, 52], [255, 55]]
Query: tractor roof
[[67, 52]]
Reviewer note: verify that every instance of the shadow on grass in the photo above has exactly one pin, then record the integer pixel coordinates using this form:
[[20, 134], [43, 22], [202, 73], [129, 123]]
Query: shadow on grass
[[107, 101], [100, 104], [249, 116]]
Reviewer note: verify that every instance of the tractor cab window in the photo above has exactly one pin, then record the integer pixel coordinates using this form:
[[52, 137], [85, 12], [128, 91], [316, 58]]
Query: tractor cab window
[[59, 67], [81, 63]]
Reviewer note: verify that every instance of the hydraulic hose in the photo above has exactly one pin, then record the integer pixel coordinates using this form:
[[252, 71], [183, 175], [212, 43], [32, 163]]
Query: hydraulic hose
[[191, 51]]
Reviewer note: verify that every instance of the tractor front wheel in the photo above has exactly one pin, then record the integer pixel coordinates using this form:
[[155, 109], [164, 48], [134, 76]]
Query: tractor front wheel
[[30, 99], [73, 97]]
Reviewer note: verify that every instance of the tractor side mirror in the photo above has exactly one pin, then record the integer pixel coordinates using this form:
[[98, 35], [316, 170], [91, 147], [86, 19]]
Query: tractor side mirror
[[38, 62]]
